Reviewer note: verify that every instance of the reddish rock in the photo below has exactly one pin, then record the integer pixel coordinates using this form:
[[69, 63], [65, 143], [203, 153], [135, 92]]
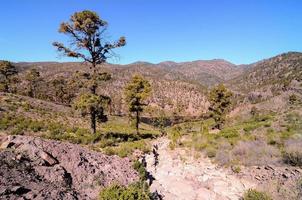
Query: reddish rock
[[51, 169]]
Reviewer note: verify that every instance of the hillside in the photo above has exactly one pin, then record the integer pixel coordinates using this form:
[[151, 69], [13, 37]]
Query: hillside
[[204, 72], [171, 90], [282, 72], [258, 146], [181, 88]]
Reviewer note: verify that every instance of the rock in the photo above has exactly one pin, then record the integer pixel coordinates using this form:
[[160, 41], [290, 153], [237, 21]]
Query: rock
[[56, 174], [257, 177], [19, 157], [7, 144], [268, 167], [193, 178], [19, 190], [284, 175], [60, 177], [48, 158]]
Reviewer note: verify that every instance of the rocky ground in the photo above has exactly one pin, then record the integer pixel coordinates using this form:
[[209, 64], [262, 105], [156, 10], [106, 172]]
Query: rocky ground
[[179, 175], [34, 168]]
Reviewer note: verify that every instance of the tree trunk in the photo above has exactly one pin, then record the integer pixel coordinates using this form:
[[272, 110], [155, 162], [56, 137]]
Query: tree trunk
[[6, 89], [93, 120], [92, 110], [137, 122]]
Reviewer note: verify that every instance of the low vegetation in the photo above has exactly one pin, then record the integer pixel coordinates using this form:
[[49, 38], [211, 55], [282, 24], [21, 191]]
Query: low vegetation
[[131, 192], [247, 142], [252, 194], [114, 138]]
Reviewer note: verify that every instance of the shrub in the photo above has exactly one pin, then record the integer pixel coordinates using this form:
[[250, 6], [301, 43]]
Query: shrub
[[252, 194], [254, 111], [127, 148], [293, 99], [211, 152], [175, 136], [229, 133], [133, 192], [139, 167], [236, 169], [113, 192], [36, 126], [255, 153], [292, 152]]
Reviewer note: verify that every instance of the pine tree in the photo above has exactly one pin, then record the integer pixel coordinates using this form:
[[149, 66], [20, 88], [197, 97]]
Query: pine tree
[[220, 102], [136, 92], [88, 103], [86, 30], [33, 78], [7, 73]]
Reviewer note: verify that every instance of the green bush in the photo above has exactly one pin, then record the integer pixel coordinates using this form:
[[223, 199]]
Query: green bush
[[127, 148], [118, 192], [139, 167], [113, 192], [252, 194], [36, 126], [236, 169], [229, 133]]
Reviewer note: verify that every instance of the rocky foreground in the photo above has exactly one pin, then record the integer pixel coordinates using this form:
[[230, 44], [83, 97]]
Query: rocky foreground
[[34, 168], [177, 174]]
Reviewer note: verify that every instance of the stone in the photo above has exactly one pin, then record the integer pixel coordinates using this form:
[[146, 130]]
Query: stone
[[268, 167], [196, 178], [284, 175], [48, 158], [7, 144], [60, 177], [257, 177]]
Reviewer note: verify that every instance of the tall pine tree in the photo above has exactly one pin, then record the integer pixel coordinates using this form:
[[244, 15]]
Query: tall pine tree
[[7, 73], [136, 92], [86, 31], [220, 103]]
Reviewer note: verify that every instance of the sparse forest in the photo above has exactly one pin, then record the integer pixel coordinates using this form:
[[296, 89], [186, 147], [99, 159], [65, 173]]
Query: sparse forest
[[207, 128]]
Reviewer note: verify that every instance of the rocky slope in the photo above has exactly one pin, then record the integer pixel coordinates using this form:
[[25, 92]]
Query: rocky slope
[[281, 72], [180, 176], [45, 169], [183, 174]]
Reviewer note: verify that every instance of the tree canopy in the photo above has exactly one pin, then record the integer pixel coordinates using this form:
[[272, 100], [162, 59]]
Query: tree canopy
[[86, 30], [220, 100], [33, 78], [136, 92], [7, 72]]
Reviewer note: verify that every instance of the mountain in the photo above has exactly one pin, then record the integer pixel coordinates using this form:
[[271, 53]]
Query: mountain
[[205, 72], [279, 73], [181, 88]]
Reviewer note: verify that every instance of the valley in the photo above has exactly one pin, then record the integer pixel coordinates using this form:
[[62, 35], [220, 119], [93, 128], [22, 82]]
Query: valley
[[259, 145]]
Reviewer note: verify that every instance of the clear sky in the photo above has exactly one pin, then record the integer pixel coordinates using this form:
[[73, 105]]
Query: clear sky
[[240, 31]]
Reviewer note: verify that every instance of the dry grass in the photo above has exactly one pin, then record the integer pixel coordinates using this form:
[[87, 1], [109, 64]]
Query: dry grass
[[293, 152], [255, 153]]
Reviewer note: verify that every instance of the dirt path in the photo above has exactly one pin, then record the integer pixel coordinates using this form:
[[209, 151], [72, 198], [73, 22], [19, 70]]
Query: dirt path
[[179, 176]]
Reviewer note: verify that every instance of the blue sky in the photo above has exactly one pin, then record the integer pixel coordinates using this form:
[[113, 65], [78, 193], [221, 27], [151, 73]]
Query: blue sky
[[159, 30]]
